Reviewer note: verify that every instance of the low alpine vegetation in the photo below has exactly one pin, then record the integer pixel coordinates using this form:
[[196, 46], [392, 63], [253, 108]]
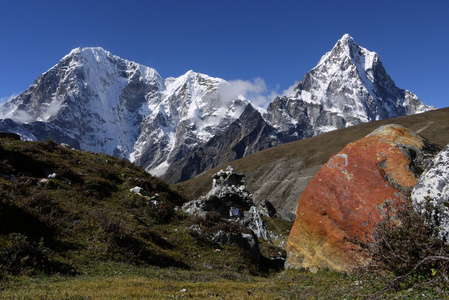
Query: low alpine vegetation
[[405, 246]]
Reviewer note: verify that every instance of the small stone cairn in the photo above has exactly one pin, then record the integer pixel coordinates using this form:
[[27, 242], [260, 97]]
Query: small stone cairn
[[230, 198]]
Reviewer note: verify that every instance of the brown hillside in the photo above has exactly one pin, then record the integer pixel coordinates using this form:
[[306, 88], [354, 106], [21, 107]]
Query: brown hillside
[[280, 174]]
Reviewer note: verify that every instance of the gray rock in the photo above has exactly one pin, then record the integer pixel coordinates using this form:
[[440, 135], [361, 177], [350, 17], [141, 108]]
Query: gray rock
[[247, 242], [208, 266], [231, 200], [266, 208], [433, 188], [286, 216]]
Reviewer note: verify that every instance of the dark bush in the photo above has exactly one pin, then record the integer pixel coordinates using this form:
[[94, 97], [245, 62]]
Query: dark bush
[[99, 188], [407, 247], [108, 173], [161, 210], [18, 255], [67, 173]]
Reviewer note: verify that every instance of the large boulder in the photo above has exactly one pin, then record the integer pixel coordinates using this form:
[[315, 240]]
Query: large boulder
[[433, 189], [349, 195]]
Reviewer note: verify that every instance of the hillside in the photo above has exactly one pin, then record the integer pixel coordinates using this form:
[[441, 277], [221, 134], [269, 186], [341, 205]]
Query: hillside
[[281, 173], [71, 228], [69, 212]]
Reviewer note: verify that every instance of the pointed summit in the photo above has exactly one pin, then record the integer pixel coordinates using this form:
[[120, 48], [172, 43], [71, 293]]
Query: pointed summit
[[346, 38], [349, 86]]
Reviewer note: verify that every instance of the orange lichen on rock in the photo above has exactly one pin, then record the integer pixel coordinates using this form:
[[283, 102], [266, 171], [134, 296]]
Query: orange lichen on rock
[[345, 198]]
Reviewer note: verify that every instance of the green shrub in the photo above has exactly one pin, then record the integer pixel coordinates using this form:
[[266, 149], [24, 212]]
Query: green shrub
[[161, 210]]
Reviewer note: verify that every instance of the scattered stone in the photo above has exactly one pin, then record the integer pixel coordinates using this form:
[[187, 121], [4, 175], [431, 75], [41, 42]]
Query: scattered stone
[[136, 190], [245, 241], [286, 216], [266, 209], [433, 188], [66, 145], [208, 266], [140, 191], [45, 182], [349, 194]]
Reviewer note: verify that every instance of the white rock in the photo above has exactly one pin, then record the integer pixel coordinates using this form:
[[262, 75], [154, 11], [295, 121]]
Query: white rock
[[433, 186]]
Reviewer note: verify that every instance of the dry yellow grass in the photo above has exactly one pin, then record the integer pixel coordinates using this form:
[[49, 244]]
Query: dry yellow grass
[[118, 282], [140, 287]]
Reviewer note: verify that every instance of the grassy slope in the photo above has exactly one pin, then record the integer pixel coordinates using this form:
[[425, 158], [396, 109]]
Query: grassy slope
[[87, 217], [433, 125]]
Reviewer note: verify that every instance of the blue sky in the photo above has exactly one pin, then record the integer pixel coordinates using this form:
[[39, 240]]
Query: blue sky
[[270, 44]]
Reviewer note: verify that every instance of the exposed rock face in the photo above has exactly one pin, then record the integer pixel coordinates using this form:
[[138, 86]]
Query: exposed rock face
[[433, 187], [348, 196], [231, 200], [247, 135], [349, 86]]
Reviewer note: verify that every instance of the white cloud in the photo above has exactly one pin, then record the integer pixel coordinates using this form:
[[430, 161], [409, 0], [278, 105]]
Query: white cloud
[[289, 90], [255, 90], [52, 109], [6, 99], [21, 117]]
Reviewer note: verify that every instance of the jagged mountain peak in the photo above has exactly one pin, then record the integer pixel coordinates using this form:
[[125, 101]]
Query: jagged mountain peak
[[347, 51], [348, 86], [346, 38], [96, 101]]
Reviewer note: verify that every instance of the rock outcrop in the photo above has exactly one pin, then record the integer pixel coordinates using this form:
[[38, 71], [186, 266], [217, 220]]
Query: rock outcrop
[[232, 201], [349, 195], [433, 189]]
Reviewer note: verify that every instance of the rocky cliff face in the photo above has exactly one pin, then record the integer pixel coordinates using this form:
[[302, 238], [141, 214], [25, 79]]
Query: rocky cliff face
[[349, 86], [248, 134], [191, 112]]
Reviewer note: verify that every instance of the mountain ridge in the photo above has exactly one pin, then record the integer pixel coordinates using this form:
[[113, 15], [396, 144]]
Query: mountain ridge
[[280, 174], [96, 101]]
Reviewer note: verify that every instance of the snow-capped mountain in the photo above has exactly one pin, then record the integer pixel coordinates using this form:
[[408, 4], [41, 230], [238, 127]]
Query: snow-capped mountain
[[348, 86], [99, 102], [190, 113], [91, 100], [178, 127]]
